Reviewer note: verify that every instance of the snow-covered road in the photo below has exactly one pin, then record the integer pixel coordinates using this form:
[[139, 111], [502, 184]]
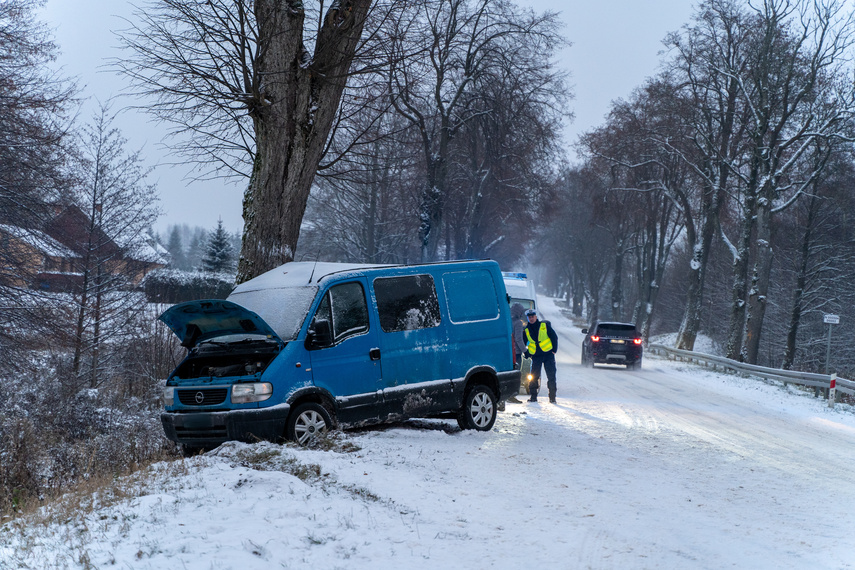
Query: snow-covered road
[[669, 467]]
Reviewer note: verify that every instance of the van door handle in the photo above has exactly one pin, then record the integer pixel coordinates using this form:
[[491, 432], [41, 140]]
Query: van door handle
[[374, 354]]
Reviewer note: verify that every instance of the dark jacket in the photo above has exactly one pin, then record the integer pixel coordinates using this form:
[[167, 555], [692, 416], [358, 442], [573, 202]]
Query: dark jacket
[[534, 329], [518, 328]]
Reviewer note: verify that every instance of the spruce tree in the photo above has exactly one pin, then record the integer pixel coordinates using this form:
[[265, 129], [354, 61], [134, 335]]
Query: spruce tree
[[175, 247], [219, 254], [196, 250]]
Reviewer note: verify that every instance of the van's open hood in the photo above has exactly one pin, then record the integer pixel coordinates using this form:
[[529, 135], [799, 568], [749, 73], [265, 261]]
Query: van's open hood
[[195, 321]]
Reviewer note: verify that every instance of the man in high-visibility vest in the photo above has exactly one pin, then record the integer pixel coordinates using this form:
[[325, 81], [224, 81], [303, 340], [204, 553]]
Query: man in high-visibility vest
[[541, 343]]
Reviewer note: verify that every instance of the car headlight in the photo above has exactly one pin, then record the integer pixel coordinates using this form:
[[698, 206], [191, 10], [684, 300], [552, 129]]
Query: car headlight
[[251, 392], [168, 396]]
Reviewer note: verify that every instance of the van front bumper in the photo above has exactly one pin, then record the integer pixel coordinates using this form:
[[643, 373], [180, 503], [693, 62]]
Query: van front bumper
[[213, 428]]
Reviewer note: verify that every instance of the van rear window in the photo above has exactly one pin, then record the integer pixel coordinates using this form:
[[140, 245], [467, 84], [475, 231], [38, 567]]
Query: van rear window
[[406, 303]]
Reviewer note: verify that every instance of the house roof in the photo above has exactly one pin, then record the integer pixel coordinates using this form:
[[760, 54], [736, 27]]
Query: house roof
[[71, 226], [149, 251], [38, 240]]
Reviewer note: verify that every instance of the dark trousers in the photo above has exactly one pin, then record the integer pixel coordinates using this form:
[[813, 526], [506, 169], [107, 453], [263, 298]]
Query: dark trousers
[[547, 359]]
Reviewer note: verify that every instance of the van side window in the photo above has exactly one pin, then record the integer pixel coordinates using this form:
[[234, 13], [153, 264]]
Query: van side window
[[344, 307], [471, 296], [407, 303]]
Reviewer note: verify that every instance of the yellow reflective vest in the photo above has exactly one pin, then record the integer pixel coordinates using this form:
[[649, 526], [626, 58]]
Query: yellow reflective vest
[[543, 340]]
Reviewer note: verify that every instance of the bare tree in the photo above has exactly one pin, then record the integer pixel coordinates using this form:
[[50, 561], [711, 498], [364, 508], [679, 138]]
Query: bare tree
[[504, 159], [438, 52], [792, 97], [709, 56], [575, 240], [819, 245], [34, 122], [644, 180], [259, 81], [119, 207], [33, 113], [643, 159], [361, 209]]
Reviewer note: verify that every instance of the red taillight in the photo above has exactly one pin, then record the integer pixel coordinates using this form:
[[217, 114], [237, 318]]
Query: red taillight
[[636, 340], [595, 339]]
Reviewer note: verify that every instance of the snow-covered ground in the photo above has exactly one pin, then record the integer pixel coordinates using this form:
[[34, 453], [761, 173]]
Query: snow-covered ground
[[671, 466]]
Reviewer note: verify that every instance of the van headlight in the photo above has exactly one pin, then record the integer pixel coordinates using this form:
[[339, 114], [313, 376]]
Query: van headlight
[[251, 392], [168, 396]]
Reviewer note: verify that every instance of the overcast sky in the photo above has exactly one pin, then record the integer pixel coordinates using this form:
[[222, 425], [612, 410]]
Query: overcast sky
[[616, 44]]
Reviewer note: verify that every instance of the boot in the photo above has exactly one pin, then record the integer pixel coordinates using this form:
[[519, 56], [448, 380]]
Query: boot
[[533, 392]]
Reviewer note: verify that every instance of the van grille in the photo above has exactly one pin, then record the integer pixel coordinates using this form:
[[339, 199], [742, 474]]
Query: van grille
[[203, 397]]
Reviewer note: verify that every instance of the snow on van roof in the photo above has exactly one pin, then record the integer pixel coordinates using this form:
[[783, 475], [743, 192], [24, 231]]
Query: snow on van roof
[[282, 296], [298, 274], [310, 273]]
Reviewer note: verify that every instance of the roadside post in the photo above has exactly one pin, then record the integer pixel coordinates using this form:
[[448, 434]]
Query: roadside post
[[832, 390]]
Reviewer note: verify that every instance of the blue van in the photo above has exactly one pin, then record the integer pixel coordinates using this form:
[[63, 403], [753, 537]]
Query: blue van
[[308, 347]]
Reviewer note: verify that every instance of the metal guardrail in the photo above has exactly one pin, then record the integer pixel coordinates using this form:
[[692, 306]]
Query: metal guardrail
[[830, 384]]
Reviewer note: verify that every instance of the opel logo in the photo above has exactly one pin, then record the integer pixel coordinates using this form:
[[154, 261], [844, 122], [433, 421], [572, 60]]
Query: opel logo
[[200, 397]]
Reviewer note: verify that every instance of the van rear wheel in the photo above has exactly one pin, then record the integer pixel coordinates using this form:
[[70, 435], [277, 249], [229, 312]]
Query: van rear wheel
[[307, 422], [479, 409]]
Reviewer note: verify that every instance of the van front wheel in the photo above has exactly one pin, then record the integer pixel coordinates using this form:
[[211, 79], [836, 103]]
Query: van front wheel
[[479, 409], [306, 422]]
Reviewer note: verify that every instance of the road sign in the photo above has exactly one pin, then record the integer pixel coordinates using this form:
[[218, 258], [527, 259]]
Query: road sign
[[831, 320]]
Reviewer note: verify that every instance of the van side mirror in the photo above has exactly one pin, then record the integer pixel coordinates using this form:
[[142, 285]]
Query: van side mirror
[[319, 335], [584, 331]]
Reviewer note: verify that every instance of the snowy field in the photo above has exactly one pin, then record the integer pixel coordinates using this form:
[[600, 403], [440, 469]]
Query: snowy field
[[671, 466]]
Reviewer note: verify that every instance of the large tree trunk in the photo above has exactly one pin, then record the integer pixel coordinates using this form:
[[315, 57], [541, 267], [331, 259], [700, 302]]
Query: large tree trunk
[[432, 207], [741, 266], [712, 202], [578, 291], [593, 305], [292, 123], [371, 214], [653, 261], [617, 283], [759, 284], [691, 323], [801, 281]]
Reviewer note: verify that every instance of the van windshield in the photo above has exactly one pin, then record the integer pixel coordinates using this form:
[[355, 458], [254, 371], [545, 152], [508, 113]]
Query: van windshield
[[283, 308]]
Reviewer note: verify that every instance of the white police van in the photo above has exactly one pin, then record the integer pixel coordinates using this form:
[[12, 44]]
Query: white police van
[[520, 289]]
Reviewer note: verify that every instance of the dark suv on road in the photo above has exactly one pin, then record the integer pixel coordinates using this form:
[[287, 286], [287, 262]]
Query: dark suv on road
[[612, 343]]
